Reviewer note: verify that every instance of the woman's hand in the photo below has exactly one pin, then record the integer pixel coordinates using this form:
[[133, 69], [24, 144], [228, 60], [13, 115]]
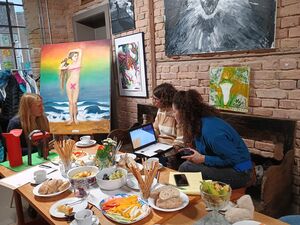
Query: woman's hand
[[195, 157]]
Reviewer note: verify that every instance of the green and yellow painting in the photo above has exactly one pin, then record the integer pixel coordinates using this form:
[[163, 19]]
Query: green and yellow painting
[[229, 88]]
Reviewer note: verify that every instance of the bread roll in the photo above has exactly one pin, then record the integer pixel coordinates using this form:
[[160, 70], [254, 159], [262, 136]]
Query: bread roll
[[63, 186], [170, 203], [169, 192], [43, 190], [52, 186], [154, 194]]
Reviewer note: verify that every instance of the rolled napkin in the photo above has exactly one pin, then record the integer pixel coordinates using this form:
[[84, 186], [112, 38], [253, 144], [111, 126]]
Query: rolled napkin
[[244, 210]]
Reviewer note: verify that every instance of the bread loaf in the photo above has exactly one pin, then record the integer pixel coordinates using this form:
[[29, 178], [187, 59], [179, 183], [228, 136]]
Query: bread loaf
[[170, 203], [168, 193]]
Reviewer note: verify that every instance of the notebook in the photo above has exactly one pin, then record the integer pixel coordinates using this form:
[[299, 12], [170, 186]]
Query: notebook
[[144, 141]]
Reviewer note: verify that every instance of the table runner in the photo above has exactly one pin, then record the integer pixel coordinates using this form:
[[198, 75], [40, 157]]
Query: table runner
[[36, 160]]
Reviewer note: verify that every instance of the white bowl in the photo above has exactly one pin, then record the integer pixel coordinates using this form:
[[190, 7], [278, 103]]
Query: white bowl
[[91, 179], [111, 184]]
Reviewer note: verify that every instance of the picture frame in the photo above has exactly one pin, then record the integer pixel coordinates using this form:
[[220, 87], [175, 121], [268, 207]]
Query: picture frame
[[130, 62], [122, 15]]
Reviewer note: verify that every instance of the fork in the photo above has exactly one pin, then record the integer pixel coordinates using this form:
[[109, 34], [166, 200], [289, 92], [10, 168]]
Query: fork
[[75, 202]]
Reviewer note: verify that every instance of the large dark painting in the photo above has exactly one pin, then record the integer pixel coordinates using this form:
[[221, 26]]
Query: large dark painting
[[122, 15], [201, 26]]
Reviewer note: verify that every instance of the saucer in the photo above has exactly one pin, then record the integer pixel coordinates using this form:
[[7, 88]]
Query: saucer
[[95, 218], [33, 182], [81, 144]]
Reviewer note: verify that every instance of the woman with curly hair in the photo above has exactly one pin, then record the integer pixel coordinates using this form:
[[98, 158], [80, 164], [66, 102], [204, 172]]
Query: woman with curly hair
[[220, 154], [165, 125]]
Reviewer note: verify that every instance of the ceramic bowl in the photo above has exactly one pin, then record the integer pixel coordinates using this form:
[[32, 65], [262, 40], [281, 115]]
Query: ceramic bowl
[[91, 179], [111, 184]]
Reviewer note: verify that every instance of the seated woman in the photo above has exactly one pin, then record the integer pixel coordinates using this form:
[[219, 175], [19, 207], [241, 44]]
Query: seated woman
[[220, 152], [30, 117], [167, 130]]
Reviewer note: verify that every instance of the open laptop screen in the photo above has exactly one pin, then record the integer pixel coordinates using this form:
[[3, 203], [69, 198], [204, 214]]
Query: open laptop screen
[[142, 136]]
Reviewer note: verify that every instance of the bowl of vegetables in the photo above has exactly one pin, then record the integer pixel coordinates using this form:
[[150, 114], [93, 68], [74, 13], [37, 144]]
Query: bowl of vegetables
[[111, 178]]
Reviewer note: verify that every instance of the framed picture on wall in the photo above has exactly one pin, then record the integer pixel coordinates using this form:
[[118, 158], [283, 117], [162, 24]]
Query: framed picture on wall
[[122, 15], [200, 26], [229, 88], [131, 65]]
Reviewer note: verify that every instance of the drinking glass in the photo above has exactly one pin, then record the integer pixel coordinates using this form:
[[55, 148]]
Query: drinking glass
[[64, 167], [215, 203], [81, 188]]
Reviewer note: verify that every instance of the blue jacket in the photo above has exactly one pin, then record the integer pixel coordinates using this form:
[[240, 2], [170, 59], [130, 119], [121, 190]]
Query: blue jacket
[[222, 145]]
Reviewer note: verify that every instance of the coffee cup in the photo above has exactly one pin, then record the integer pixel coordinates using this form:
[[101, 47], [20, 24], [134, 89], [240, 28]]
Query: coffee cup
[[85, 139], [39, 176], [85, 217]]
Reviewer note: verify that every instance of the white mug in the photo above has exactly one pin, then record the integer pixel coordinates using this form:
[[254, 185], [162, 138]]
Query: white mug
[[85, 139], [85, 217], [39, 176]]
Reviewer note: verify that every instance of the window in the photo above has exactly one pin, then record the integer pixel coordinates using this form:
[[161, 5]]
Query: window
[[14, 49]]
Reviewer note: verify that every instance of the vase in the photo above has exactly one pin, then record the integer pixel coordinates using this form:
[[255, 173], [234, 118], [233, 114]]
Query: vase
[[64, 167], [104, 163]]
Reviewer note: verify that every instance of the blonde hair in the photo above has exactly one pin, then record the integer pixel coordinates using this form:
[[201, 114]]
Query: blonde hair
[[29, 123]]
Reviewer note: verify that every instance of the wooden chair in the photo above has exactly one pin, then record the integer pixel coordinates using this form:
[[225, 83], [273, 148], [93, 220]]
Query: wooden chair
[[121, 135]]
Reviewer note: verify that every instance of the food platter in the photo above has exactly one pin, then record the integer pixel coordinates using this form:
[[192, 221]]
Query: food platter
[[125, 215]]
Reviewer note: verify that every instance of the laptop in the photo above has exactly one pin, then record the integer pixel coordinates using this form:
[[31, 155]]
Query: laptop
[[144, 141]]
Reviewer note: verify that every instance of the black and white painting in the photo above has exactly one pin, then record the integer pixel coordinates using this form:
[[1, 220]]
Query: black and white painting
[[122, 15], [207, 26]]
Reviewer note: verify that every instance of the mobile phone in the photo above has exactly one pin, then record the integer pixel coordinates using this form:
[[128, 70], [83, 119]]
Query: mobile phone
[[187, 152], [180, 180]]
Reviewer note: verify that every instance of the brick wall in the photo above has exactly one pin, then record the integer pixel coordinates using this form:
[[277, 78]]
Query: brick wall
[[275, 74]]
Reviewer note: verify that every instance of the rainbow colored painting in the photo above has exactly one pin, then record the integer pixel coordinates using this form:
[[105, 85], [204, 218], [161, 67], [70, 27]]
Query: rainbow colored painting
[[229, 88], [75, 86]]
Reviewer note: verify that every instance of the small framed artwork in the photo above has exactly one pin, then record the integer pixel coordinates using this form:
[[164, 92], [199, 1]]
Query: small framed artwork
[[131, 65], [229, 88], [122, 15]]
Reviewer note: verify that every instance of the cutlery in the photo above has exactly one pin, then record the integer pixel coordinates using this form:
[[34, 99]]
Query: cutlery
[[52, 171], [45, 166], [75, 202]]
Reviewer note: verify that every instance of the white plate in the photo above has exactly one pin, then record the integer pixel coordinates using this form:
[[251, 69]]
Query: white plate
[[132, 182], [80, 144], [36, 191], [95, 219], [247, 222], [88, 160], [76, 208], [118, 156], [183, 196]]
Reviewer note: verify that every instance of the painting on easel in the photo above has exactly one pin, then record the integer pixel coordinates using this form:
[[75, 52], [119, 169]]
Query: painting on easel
[[75, 86], [229, 88]]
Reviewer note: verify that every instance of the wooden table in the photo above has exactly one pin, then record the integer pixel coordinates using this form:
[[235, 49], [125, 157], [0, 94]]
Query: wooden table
[[194, 211]]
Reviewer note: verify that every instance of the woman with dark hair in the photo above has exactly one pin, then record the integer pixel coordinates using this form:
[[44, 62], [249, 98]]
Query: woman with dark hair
[[220, 154], [165, 125]]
